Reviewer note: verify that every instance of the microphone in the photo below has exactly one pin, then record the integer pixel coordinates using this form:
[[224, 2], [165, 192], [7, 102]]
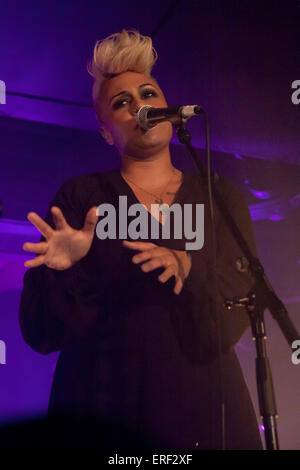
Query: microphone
[[148, 117]]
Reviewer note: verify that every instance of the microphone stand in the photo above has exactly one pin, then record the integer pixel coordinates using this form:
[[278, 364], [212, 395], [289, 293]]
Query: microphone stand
[[261, 297]]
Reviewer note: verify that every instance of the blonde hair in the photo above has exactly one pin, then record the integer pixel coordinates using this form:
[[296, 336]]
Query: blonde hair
[[127, 51]]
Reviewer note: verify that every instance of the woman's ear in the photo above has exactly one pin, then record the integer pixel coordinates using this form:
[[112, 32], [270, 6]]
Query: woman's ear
[[106, 135]]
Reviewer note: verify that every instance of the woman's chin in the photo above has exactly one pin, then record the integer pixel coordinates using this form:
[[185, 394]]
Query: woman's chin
[[148, 142], [151, 144], [146, 148], [155, 137]]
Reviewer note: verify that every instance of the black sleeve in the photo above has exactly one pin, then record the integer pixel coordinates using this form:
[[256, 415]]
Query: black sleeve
[[58, 306], [230, 282]]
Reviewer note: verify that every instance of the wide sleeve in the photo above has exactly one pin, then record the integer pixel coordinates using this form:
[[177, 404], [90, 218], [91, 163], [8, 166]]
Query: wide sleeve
[[57, 307], [230, 281], [234, 279]]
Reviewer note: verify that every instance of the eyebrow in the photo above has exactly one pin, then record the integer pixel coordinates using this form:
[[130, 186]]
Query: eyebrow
[[124, 91]]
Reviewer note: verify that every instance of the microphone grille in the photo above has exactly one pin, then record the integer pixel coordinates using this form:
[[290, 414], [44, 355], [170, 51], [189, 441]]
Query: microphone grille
[[141, 116]]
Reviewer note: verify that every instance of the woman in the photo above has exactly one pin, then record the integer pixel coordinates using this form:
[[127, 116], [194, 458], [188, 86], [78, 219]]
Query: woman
[[133, 319]]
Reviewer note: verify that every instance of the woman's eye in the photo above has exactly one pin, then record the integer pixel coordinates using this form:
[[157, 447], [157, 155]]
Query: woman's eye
[[119, 103], [149, 93]]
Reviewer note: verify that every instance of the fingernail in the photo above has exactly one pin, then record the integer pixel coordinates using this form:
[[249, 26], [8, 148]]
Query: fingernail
[[145, 268], [135, 259]]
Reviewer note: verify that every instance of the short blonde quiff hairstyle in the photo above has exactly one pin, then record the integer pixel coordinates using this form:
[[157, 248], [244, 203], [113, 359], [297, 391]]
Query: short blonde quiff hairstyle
[[128, 51]]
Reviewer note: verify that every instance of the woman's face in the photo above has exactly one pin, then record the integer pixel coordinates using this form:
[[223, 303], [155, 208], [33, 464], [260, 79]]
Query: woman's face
[[119, 100]]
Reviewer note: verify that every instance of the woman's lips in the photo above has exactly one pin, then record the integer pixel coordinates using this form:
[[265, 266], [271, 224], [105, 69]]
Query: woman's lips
[[141, 129]]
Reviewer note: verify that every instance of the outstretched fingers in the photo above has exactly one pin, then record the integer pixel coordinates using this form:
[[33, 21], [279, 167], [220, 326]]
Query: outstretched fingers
[[40, 224], [178, 286], [138, 245], [35, 262], [39, 248], [91, 219], [58, 218], [148, 251], [167, 274], [148, 254]]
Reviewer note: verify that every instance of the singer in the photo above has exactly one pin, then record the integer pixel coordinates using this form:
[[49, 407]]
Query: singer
[[138, 365]]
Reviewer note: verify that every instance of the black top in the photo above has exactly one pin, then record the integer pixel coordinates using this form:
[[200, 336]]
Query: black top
[[132, 351]]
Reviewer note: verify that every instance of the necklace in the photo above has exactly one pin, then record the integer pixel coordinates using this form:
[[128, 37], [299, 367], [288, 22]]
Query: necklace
[[157, 199]]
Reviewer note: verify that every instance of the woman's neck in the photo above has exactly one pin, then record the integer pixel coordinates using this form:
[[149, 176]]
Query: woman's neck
[[149, 172]]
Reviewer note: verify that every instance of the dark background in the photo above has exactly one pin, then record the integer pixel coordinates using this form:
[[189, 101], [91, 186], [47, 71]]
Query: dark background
[[238, 59]]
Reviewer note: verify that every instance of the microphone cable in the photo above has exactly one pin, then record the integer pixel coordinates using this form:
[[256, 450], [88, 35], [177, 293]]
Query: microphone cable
[[184, 137], [215, 281]]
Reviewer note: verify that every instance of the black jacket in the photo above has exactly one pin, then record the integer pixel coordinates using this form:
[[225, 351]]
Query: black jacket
[[132, 352]]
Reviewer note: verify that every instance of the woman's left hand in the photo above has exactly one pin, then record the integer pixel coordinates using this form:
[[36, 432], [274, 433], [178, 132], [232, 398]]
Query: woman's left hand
[[176, 262]]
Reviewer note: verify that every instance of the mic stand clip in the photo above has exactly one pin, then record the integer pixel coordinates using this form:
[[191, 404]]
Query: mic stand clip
[[266, 396]]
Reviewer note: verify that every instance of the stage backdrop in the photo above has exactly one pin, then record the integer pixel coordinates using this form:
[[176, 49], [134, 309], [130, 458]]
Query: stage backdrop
[[238, 59]]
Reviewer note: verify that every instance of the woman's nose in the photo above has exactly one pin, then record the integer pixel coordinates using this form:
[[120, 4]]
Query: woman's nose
[[135, 106]]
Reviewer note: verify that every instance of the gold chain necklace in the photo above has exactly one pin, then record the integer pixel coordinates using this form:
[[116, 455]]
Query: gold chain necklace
[[157, 199]]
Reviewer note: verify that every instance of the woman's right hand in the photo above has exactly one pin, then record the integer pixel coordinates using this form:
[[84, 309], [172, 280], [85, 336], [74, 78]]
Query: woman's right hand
[[64, 246]]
